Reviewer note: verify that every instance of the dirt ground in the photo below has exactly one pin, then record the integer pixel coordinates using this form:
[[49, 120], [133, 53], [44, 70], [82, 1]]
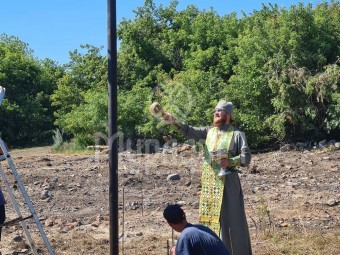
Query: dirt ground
[[292, 200]]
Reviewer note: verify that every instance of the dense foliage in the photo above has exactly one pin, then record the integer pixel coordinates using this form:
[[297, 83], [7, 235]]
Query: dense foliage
[[279, 66], [81, 96], [26, 117]]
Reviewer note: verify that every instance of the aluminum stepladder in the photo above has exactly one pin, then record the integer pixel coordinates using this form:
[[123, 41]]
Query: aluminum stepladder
[[7, 156]]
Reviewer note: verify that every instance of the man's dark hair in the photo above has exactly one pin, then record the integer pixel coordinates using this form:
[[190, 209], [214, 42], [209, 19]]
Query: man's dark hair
[[174, 214]]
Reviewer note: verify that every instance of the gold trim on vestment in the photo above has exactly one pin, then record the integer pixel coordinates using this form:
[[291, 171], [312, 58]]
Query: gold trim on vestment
[[212, 185]]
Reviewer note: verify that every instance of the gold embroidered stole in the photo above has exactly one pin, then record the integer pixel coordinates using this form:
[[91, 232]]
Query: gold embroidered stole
[[212, 185]]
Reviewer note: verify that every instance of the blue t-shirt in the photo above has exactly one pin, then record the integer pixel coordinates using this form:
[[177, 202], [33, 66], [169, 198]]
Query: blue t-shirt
[[199, 240], [2, 199]]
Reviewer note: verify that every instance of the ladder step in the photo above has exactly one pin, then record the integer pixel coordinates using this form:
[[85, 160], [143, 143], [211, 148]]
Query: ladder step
[[16, 220]]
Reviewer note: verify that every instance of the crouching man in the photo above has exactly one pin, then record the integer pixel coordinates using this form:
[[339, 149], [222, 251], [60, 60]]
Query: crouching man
[[194, 239]]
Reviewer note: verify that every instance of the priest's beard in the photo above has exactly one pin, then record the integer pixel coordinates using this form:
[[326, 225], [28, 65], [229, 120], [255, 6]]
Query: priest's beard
[[220, 121]]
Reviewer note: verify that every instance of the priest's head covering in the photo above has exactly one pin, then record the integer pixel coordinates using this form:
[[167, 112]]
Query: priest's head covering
[[225, 106]]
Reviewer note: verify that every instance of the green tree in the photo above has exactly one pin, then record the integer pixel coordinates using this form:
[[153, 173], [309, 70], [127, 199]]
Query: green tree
[[279, 66], [26, 116], [278, 52], [81, 96]]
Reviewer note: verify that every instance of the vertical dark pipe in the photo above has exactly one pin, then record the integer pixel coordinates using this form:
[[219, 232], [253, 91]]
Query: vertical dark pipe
[[113, 148]]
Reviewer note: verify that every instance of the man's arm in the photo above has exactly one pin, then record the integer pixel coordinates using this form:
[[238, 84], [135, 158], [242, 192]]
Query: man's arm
[[183, 247], [198, 134], [239, 150]]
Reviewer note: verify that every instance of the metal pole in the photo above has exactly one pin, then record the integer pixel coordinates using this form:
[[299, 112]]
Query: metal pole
[[112, 117]]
